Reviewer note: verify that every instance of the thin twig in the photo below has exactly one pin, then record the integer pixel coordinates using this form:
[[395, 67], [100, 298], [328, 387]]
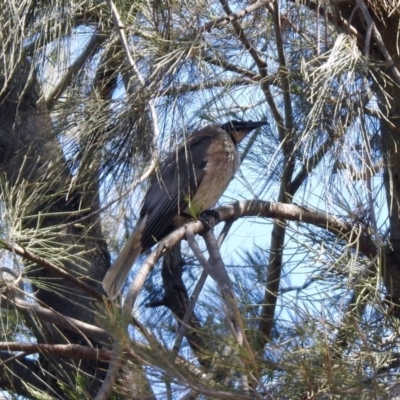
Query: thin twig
[[60, 320], [188, 313], [218, 265], [261, 65], [28, 255], [233, 16], [63, 350], [120, 27], [221, 62], [109, 380], [95, 42]]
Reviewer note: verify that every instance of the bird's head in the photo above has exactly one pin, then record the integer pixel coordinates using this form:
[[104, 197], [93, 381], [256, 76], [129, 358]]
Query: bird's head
[[239, 129]]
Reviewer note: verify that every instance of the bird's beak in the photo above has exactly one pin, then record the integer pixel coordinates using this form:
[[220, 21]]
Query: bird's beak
[[239, 133]]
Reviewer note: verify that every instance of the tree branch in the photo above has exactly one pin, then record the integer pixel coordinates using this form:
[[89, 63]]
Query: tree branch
[[21, 373], [261, 65], [377, 36], [62, 321], [95, 42], [62, 350], [223, 63], [233, 16], [120, 28], [29, 256], [256, 208]]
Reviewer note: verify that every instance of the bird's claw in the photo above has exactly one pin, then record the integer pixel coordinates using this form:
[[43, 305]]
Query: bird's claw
[[209, 218]]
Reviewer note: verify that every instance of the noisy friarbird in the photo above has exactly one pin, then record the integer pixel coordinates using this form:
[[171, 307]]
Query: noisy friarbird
[[190, 180]]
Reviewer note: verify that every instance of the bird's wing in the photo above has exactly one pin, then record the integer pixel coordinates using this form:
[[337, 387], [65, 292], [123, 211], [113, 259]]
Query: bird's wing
[[176, 183]]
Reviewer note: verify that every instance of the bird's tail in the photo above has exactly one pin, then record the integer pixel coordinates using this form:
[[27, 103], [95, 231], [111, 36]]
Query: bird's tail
[[116, 275]]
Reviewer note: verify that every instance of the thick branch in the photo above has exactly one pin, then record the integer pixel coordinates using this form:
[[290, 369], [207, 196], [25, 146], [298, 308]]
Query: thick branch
[[257, 208]]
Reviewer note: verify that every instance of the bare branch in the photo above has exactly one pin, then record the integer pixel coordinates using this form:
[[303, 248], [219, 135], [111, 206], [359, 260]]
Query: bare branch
[[279, 229], [223, 63], [112, 371], [284, 75], [263, 209]]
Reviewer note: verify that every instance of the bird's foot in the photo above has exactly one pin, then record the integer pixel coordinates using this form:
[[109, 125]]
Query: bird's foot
[[209, 218]]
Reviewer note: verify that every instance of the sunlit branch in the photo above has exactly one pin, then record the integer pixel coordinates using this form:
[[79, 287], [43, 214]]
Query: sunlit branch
[[216, 269], [184, 323], [108, 382], [260, 209], [222, 278]]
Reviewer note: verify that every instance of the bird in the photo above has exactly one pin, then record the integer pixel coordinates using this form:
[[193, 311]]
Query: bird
[[190, 181]]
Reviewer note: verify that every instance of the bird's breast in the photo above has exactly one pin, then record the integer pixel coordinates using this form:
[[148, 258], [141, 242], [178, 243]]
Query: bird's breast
[[222, 163]]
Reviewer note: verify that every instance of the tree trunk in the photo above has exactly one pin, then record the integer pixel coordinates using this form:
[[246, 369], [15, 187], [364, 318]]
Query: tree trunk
[[386, 22], [31, 159]]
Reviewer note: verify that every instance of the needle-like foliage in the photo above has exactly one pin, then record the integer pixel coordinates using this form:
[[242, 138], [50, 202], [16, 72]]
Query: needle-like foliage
[[299, 295]]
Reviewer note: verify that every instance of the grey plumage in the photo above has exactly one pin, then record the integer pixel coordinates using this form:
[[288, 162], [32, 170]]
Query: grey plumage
[[193, 177]]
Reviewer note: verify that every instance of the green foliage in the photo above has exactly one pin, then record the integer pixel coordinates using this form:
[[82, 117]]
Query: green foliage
[[94, 94]]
